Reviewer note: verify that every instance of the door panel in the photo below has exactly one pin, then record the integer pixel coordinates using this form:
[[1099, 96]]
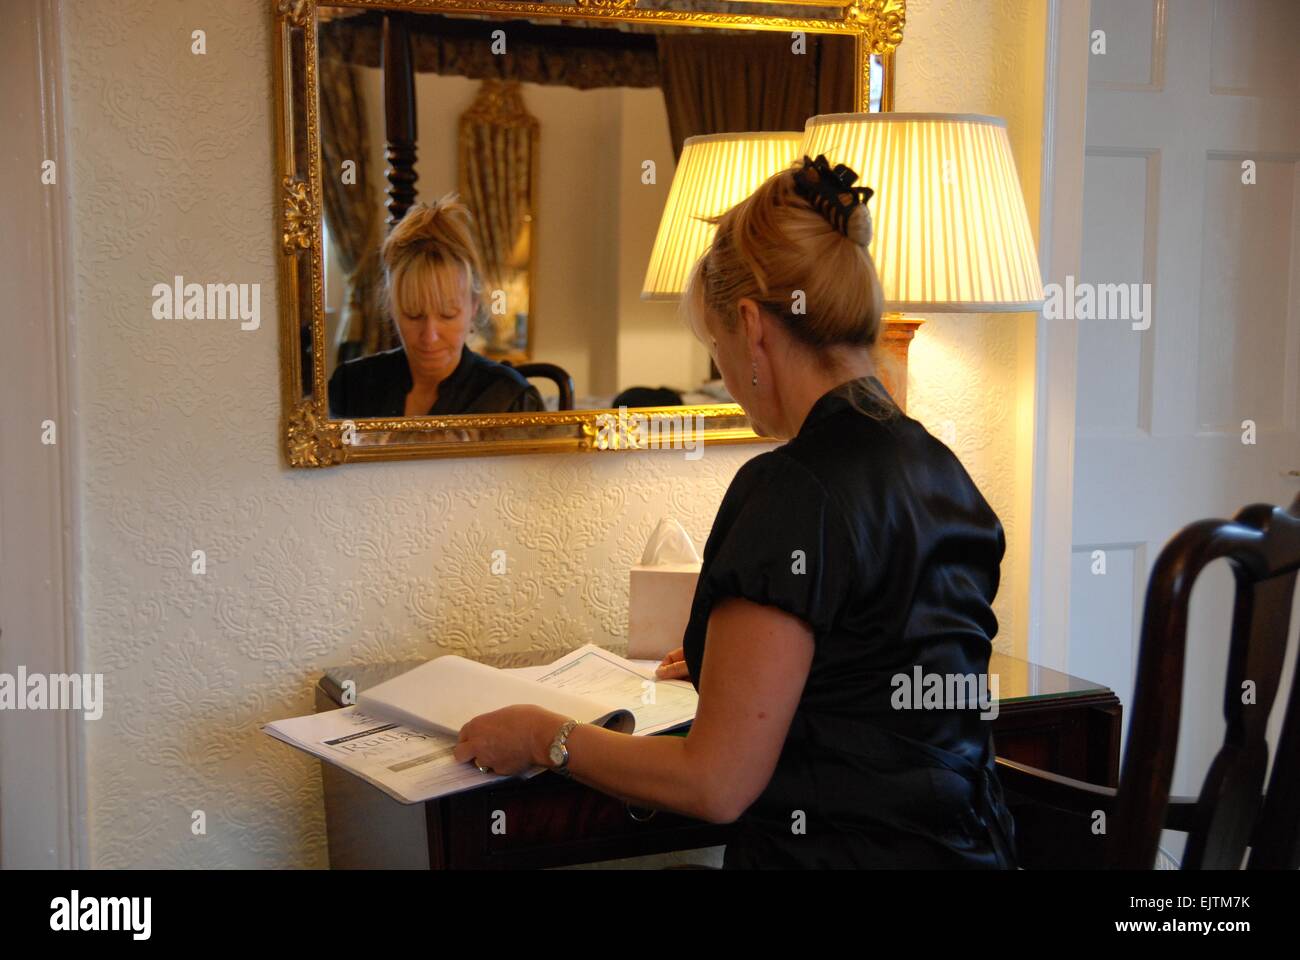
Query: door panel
[[1187, 92]]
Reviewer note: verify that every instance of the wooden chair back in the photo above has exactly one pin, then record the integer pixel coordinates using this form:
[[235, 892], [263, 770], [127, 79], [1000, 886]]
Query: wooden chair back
[[1235, 809]]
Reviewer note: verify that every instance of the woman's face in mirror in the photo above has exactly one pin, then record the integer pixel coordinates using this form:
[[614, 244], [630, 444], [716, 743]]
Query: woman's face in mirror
[[434, 311]]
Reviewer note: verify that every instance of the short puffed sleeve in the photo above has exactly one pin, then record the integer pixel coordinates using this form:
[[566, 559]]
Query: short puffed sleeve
[[778, 540]]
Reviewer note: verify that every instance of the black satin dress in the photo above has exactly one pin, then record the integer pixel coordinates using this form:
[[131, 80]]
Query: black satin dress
[[901, 560], [377, 385]]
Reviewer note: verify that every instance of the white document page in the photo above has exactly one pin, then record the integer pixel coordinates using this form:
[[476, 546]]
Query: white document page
[[407, 764], [446, 693], [594, 673]]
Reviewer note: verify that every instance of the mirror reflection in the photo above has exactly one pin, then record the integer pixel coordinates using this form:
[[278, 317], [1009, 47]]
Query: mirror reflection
[[492, 192]]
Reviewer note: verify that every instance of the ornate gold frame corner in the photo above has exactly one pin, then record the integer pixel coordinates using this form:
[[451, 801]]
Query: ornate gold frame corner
[[310, 438]]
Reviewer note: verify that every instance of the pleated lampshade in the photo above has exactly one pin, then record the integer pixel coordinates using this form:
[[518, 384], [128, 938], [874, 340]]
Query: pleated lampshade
[[714, 173], [951, 234]]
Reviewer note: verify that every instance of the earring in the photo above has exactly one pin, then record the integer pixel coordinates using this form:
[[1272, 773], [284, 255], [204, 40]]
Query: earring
[[754, 379]]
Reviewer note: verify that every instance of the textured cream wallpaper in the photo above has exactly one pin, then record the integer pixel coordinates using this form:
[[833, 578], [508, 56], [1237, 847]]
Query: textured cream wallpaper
[[172, 174]]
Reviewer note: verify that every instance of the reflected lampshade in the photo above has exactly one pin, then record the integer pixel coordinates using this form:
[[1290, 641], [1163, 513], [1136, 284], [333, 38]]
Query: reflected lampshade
[[714, 173], [951, 234]]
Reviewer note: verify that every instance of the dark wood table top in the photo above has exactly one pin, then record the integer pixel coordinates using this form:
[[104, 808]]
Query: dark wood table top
[[1019, 681]]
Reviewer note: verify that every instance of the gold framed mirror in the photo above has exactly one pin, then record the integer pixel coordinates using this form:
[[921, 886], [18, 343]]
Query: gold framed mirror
[[355, 85]]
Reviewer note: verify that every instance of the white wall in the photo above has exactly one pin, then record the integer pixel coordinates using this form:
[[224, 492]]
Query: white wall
[[173, 172]]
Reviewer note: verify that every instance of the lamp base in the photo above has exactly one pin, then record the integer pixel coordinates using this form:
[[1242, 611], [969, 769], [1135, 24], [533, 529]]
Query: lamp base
[[891, 354]]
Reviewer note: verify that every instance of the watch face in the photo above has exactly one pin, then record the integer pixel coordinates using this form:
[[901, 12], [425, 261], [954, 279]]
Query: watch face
[[557, 754]]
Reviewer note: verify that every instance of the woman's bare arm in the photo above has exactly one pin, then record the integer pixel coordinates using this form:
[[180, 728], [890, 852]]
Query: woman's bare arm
[[756, 661]]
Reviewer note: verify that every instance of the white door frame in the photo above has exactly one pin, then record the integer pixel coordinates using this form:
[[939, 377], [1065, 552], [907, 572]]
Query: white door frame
[[42, 756], [1065, 98]]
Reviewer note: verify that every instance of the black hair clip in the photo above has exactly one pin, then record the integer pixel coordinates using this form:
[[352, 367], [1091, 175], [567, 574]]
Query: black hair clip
[[830, 190]]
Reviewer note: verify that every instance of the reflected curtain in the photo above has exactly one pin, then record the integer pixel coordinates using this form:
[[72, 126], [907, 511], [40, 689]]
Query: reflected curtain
[[583, 58], [712, 84], [352, 209], [498, 144]]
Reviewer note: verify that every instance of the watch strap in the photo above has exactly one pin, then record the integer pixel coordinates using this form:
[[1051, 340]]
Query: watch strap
[[561, 742]]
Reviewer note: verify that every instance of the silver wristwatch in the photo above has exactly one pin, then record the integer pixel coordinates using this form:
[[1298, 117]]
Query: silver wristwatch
[[559, 752]]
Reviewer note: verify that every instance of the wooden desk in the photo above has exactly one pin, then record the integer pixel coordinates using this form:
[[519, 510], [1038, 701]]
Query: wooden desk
[[1046, 718]]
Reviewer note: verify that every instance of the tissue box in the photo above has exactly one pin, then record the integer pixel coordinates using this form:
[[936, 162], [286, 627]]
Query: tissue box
[[658, 608]]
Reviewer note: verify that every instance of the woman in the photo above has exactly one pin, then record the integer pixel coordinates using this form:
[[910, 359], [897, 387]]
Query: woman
[[852, 556], [434, 289]]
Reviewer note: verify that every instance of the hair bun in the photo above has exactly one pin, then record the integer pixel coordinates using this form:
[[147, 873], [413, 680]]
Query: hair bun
[[830, 191], [439, 230], [858, 229]]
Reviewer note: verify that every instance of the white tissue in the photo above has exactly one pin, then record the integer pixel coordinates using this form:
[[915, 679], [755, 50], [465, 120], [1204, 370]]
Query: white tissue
[[670, 543], [662, 588]]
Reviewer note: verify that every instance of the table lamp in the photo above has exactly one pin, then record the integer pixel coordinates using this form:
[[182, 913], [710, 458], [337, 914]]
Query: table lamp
[[950, 231], [714, 174]]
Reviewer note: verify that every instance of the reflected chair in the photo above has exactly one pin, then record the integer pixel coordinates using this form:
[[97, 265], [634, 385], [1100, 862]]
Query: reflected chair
[[1234, 810], [548, 371]]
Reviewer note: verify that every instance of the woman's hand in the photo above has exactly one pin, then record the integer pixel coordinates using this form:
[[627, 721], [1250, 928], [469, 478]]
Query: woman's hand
[[510, 740], [674, 666]]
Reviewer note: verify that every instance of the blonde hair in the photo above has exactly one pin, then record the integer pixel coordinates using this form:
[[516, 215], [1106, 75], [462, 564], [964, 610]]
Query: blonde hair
[[776, 249], [432, 242]]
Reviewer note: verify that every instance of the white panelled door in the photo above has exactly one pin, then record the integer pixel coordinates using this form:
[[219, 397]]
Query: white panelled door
[[1192, 185]]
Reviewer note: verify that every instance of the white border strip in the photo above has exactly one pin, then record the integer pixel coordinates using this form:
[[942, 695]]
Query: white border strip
[[1065, 100], [42, 754]]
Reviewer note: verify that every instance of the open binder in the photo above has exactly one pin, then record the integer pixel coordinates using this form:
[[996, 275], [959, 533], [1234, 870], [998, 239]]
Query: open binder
[[401, 733]]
